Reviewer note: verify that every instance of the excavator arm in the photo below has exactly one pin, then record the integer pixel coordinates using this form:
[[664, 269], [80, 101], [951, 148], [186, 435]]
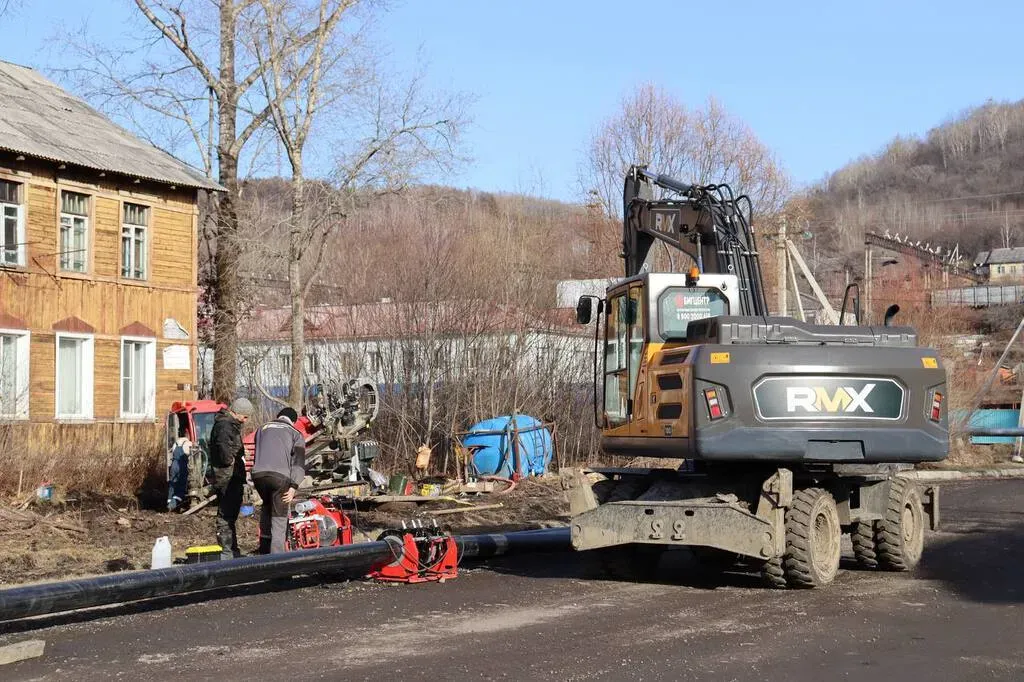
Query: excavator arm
[[706, 222]]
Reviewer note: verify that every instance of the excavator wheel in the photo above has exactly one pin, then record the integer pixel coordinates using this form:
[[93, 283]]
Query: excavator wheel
[[863, 538], [773, 573], [899, 537], [813, 536]]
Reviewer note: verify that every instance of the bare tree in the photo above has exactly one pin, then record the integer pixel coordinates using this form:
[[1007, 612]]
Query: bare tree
[[9, 6], [189, 78], [327, 75], [704, 145]]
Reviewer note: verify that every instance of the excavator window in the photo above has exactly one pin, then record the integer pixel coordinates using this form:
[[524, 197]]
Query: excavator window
[[616, 385], [624, 342], [678, 306], [636, 335]]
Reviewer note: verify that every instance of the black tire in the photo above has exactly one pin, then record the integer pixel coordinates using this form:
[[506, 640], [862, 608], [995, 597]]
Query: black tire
[[899, 537], [631, 563], [813, 536], [863, 537], [773, 574]]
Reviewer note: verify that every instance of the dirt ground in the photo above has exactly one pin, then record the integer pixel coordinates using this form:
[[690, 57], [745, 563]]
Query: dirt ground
[[52, 541], [57, 540]]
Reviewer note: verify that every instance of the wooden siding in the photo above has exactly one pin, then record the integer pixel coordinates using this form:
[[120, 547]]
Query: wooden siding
[[41, 295]]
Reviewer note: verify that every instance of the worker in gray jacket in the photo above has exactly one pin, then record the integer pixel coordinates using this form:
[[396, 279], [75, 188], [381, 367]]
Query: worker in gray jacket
[[277, 471]]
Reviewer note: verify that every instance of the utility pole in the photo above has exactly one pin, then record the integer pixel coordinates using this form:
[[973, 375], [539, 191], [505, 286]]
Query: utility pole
[[867, 284], [782, 285]]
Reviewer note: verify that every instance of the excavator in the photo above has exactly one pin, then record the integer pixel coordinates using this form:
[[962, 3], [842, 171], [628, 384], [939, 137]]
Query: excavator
[[791, 434]]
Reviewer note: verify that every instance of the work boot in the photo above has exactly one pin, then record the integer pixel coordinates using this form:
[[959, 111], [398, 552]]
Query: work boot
[[225, 541], [264, 546]]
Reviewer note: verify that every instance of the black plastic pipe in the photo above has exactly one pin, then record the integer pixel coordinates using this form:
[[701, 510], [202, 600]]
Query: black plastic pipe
[[495, 544], [1014, 432], [354, 560]]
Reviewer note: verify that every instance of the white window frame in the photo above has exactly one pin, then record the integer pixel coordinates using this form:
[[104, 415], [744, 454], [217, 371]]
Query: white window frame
[[71, 218], [284, 359], [19, 232], [88, 362], [149, 379], [23, 339], [129, 232]]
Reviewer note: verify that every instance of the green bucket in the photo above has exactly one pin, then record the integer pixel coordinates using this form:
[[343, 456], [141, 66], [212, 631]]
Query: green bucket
[[396, 484]]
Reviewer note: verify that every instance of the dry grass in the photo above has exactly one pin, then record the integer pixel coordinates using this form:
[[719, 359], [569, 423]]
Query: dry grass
[[110, 459]]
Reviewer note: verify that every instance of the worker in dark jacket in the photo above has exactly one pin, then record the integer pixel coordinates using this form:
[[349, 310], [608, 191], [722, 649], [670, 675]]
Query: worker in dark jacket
[[277, 471], [228, 471]]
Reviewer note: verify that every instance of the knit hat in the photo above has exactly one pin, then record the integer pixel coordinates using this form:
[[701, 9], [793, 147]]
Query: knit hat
[[242, 407], [289, 414]]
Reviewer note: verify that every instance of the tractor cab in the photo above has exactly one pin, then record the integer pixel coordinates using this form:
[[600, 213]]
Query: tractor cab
[[187, 439], [643, 316]]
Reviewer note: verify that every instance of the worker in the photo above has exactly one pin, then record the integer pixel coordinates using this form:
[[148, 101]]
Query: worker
[[228, 471], [278, 470]]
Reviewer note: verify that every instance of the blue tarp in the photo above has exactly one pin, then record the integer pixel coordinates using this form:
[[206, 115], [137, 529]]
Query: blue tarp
[[491, 443], [993, 419]]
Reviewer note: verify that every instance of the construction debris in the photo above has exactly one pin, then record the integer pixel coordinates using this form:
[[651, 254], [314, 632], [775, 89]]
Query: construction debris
[[21, 651]]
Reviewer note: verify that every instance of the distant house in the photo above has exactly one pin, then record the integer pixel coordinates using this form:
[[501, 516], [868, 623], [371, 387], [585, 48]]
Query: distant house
[[98, 260], [1001, 265], [402, 345]]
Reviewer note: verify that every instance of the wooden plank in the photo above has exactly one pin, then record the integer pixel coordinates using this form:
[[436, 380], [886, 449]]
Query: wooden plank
[[461, 510], [21, 651], [830, 313]]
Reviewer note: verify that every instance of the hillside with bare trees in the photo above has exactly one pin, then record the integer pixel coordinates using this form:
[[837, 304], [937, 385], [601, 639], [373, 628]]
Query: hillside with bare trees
[[960, 183]]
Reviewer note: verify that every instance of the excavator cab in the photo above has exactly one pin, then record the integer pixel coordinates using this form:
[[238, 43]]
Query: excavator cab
[[642, 317]]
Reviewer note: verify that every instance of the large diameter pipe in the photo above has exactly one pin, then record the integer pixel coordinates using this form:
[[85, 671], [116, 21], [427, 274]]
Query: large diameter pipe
[[354, 560], [69, 595], [1010, 432], [495, 544]]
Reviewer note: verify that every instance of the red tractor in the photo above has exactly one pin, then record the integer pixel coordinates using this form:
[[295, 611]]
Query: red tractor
[[332, 420]]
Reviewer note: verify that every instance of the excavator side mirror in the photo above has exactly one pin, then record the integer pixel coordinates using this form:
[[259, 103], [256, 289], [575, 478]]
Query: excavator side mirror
[[890, 313], [584, 310]]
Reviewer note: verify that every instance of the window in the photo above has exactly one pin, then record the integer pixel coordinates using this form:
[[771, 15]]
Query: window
[[678, 306], [138, 378], [12, 225], [74, 376], [14, 347], [133, 241], [615, 387], [74, 231], [999, 269], [286, 364], [312, 364]]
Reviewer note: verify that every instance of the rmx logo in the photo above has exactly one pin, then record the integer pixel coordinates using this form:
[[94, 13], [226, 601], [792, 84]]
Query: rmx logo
[[665, 222], [816, 399]]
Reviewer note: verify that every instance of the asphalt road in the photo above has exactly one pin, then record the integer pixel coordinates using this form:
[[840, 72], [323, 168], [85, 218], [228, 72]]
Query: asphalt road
[[959, 617]]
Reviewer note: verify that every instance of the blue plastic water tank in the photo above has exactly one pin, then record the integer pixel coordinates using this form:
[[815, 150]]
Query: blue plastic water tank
[[491, 441]]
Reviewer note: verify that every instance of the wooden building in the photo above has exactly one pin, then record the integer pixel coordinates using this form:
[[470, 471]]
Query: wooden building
[[98, 264]]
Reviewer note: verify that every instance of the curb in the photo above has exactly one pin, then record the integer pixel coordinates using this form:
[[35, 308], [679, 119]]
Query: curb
[[964, 474]]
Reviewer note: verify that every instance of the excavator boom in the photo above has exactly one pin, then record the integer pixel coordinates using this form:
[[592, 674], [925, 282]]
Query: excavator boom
[[706, 222]]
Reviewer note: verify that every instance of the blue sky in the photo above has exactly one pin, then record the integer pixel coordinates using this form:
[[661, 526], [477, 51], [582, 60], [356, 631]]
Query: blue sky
[[821, 83]]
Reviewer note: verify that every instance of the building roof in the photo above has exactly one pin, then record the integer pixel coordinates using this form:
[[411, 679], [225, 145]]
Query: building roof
[[1001, 255], [40, 119]]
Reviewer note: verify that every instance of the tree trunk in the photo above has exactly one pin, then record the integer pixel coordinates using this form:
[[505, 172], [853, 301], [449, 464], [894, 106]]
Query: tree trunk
[[295, 287], [226, 293]]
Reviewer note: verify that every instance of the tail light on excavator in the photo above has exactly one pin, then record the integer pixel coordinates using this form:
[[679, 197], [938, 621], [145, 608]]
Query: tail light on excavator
[[935, 414], [715, 408]]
